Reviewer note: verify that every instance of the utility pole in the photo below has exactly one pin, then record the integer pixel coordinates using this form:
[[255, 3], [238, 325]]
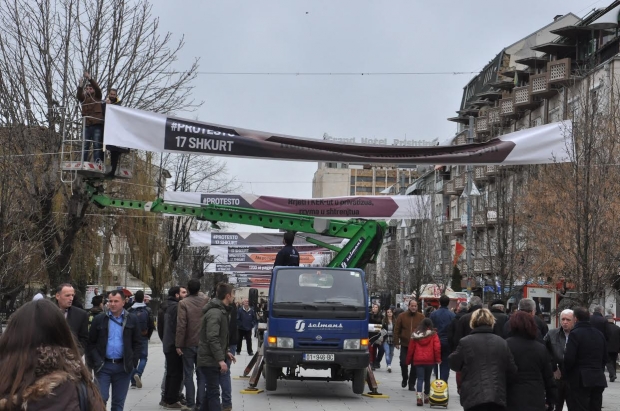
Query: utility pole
[[470, 139]]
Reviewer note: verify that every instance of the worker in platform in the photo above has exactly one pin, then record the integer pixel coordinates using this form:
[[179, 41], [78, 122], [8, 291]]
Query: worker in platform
[[288, 256], [89, 94]]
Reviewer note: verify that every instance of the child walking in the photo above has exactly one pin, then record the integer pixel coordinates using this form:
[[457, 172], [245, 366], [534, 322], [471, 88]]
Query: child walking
[[424, 352]]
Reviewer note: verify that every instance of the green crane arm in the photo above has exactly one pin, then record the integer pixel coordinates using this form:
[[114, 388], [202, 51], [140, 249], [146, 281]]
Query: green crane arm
[[365, 236]]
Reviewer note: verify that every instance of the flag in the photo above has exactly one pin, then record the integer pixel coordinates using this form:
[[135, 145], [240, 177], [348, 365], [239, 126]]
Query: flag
[[458, 250]]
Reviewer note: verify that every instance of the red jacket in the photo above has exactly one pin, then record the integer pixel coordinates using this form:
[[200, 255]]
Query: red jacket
[[424, 349]]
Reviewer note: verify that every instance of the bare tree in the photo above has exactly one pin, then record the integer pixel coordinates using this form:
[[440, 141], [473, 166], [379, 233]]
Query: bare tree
[[571, 208], [45, 45]]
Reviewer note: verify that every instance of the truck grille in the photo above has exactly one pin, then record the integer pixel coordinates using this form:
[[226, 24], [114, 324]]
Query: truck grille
[[328, 343]]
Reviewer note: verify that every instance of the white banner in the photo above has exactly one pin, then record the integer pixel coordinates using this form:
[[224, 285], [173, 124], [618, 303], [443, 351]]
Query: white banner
[[383, 207], [144, 130]]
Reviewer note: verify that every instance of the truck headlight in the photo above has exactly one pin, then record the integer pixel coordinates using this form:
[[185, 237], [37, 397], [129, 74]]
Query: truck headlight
[[280, 342], [353, 344]]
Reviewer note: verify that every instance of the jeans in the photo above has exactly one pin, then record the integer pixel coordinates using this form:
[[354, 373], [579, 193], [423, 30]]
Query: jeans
[[247, 334], [174, 377], [144, 355], [189, 366], [444, 367], [115, 375], [212, 400], [225, 382], [389, 352], [93, 135], [423, 373], [407, 375]]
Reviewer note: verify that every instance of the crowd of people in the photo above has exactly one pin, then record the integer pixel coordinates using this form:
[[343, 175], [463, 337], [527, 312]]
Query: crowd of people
[[502, 362]]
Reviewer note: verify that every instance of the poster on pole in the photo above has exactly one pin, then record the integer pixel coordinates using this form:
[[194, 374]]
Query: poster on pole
[[91, 291], [145, 130]]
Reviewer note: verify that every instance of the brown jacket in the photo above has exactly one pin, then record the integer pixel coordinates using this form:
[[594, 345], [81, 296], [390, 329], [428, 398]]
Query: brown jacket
[[55, 392], [91, 105], [189, 316], [406, 323]]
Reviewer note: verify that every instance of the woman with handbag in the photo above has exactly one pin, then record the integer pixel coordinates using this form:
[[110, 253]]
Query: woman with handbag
[[387, 335]]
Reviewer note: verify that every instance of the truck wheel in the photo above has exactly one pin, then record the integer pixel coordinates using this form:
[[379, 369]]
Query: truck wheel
[[359, 381], [271, 378]]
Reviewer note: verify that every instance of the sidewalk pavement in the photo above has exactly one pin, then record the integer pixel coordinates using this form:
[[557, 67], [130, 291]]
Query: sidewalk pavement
[[307, 395]]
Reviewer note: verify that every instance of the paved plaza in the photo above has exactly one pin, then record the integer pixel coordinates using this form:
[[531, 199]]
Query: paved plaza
[[308, 395]]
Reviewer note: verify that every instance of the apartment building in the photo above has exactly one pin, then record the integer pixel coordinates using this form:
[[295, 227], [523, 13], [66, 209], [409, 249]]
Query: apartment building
[[529, 83]]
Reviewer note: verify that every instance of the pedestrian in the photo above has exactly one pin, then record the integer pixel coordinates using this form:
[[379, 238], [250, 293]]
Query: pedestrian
[[424, 351], [213, 348], [529, 306], [374, 337], [96, 309], [174, 362], [147, 326], [225, 379], [288, 255], [387, 330], [41, 364], [555, 342], [598, 321], [501, 318], [161, 322], [461, 311], [246, 319], [114, 346], [89, 95], [613, 346], [406, 323], [398, 311], [442, 319], [188, 336], [76, 317], [463, 327], [428, 311], [486, 365], [534, 389], [584, 361]]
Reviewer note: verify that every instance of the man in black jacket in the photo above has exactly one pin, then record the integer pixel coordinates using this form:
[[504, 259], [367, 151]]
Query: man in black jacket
[[529, 306], [288, 255], [77, 319], [613, 346], [174, 362], [598, 321], [113, 352], [584, 361], [555, 341], [497, 309]]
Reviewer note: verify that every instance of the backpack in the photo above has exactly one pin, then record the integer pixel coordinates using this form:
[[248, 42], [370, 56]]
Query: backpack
[[143, 320]]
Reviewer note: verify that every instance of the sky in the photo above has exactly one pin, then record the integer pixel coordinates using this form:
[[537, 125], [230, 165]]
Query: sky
[[343, 36]]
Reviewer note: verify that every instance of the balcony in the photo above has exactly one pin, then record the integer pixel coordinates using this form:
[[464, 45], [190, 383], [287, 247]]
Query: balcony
[[482, 125], [447, 227], [459, 184], [480, 173], [478, 265], [494, 117], [539, 86], [559, 71], [457, 226], [479, 220], [492, 170], [491, 216], [448, 188], [524, 99], [439, 186], [507, 107], [461, 139]]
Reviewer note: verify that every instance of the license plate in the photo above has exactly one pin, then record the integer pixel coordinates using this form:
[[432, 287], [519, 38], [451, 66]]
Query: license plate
[[319, 357]]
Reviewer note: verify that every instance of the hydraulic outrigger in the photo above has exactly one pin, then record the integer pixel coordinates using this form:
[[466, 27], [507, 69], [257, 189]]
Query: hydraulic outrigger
[[365, 238]]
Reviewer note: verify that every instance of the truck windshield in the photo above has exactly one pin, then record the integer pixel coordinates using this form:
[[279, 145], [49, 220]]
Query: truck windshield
[[319, 288]]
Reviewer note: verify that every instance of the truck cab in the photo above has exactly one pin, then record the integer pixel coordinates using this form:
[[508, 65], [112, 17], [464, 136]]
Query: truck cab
[[318, 319]]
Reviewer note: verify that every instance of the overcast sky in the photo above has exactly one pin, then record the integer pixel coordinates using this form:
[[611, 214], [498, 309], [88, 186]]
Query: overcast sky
[[341, 36]]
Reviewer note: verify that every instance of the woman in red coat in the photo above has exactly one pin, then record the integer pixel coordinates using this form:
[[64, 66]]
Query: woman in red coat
[[424, 352]]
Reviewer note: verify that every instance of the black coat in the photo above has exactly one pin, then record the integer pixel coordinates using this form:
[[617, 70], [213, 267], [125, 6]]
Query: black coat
[[462, 328], [170, 326], [452, 330], [486, 365], [161, 320], [555, 342], [500, 321], [613, 338], [98, 341], [534, 377], [77, 319], [543, 329], [585, 356], [599, 322]]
